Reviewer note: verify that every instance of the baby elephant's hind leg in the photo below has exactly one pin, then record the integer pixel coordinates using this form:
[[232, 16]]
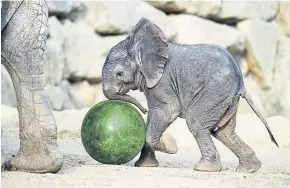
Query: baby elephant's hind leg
[[248, 161], [210, 159]]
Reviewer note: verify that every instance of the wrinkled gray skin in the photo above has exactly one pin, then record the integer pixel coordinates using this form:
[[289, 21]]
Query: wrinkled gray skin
[[23, 38], [200, 83]]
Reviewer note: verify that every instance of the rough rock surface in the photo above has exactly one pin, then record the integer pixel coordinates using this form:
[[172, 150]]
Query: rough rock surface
[[82, 51], [75, 51], [261, 48], [204, 31], [222, 11], [281, 79], [53, 62], [283, 17], [8, 96], [109, 17], [268, 61], [59, 7], [64, 96]]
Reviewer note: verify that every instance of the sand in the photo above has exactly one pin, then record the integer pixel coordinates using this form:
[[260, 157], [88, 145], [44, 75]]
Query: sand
[[81, 171]]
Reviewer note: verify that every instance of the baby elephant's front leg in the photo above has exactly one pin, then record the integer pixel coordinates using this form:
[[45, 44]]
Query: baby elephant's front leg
[[158, 122], [155, 140]]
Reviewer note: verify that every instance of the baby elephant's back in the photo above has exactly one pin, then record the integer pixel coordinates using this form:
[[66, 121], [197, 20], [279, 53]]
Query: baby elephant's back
[[206, 67]]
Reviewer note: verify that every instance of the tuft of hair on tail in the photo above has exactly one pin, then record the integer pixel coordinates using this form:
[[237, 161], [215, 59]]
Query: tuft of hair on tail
[[249, 100]]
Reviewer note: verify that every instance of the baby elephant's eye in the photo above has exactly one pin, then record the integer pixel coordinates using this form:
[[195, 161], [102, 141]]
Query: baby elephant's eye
[[120, 73]]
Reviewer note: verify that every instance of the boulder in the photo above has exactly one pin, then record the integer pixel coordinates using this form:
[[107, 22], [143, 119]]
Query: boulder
[[8, 96], [75, 50], [233, 11], [281, 76], [56, 96], [196, 30], [53, 61], [283, 17], [54, 52], [261, 49], [268, 61], [61, 7], [169, 6], [86, 92], [203, 9], [78, 11], [64, 96], [73, 99], [56, 29], [108, 17], [83, 52], [222, 11]]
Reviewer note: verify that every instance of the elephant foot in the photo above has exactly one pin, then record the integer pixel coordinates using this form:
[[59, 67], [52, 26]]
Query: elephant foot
[[146, 162], [249, 164], [208, 166], [42, 163], [168, 144]]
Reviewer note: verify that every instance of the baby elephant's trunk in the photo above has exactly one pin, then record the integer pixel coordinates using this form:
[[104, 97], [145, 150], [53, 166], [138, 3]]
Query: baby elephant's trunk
[[126, 98]]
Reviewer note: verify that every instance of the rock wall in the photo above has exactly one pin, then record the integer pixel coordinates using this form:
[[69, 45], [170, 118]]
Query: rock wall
[[82, 33]]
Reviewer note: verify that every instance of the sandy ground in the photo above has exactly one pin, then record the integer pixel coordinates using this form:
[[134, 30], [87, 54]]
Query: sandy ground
[[80, 170]]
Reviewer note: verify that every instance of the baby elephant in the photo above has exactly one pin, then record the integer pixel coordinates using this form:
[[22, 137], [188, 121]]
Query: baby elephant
[[201, 83]]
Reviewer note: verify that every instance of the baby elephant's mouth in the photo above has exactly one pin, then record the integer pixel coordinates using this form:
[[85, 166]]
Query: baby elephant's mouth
[[125, 88]]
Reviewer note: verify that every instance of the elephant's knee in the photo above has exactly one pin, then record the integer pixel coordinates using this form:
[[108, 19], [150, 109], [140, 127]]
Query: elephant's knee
[[152, 140]]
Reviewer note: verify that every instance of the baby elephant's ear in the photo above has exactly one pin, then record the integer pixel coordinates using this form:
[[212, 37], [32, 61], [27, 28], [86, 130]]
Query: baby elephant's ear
[[148, 45]]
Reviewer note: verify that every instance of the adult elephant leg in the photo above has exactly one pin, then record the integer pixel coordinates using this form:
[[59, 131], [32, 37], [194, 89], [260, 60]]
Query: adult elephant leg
[[248, 161], [158, 121], [22, 44]]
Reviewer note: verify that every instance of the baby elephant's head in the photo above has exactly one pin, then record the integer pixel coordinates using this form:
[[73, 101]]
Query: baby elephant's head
[[138, 61]]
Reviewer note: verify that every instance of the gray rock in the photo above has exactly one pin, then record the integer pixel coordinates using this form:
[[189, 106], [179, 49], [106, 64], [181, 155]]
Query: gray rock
[[118, 17], [268, 61], [191, 7], [83, 52], [262, 41], [225, 11], [54, 59], [8, 96], [56, 29], [59, 7], [283, 17], [281, 77], [78, 12], [72, 99], [75, 50], [233, 11], [196, 30], [86, 92], [56, 97], [65, 96], [53, 62]]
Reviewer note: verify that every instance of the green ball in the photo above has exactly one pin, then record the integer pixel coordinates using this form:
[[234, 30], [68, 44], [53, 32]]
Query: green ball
[[113, 132]]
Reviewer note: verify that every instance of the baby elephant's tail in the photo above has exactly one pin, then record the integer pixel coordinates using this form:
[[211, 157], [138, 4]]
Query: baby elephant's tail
[[245, 95]]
